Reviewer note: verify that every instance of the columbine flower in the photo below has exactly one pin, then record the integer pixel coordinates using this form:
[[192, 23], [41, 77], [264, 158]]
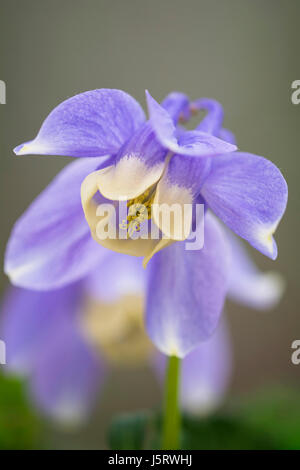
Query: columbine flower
[[150, 162], [65, 341]]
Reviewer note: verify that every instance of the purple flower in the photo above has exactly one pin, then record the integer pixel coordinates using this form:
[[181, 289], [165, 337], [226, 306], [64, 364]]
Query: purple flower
[[150, 163], [64, 341]]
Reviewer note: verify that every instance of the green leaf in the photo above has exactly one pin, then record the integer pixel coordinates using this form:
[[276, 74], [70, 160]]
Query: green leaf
[[19, 427], [275, 413], [266, 420]]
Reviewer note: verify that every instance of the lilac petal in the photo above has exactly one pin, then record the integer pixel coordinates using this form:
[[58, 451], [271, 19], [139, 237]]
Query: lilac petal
[[41, 332], [248, 285], [226, 134], [50, 245], [139, 164], [196, 143], [206, 373], [187, 172], [29, 317], [184, 305], [193, 143], [67, 375], [249, 194], [176, 104], [124, 275], [144, 145], [180, 185], [212, 122], [91, 124], [141, 161]]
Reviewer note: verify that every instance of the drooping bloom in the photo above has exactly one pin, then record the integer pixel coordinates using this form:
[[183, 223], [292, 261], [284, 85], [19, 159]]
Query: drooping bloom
[[65, 341], [149, 164]]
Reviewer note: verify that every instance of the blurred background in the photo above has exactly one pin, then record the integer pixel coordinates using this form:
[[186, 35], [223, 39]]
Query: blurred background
[[244, 53]]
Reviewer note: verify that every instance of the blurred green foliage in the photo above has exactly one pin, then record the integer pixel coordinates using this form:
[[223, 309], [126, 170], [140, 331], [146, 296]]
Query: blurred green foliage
[[275, 415], [129, 431], [268, 420], [19, 426]]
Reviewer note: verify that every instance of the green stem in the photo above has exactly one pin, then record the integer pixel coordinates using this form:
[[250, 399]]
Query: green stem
[[171, 418]]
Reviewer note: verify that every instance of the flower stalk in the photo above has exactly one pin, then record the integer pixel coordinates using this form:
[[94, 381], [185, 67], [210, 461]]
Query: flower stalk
[[171, 417]]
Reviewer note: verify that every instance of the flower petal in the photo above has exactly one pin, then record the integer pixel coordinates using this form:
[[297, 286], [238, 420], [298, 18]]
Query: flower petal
[[226, 134], [50, 245], [176, 104], [138, 165], [107, 219], [41, 332], [179, 188], [116, 276], [197, 143], [29, 317], [141, 161], [67, 375], [247, 284], [193, 143], [129, 178], [249, 194], [91, 124], [186, 292], [212, 122], [206, 373]]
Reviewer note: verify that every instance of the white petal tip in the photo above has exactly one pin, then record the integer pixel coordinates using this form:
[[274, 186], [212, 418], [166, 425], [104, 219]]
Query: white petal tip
[[271, 289], [69, 415], [33, 147], [22, 149], [266, 240]]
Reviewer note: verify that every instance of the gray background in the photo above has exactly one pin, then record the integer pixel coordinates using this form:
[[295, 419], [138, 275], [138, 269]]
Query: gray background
[[244, 53]]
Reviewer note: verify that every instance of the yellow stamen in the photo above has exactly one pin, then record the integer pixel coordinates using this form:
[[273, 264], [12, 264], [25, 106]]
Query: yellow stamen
[[139, 210]]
